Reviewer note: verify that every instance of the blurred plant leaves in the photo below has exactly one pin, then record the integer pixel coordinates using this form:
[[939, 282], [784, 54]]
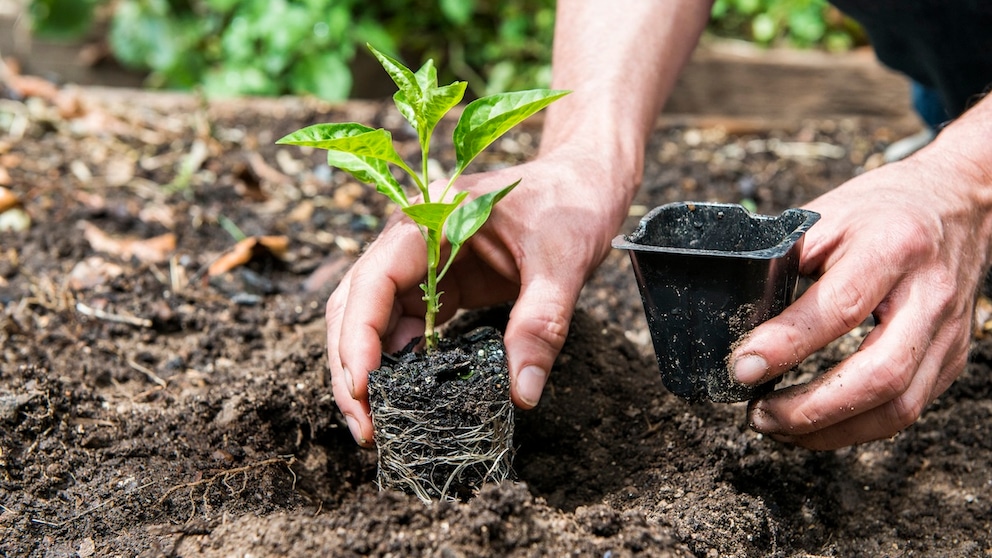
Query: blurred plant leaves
[[275, 47]]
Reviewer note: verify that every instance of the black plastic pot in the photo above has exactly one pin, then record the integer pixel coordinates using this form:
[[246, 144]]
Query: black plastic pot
[[708, 274]]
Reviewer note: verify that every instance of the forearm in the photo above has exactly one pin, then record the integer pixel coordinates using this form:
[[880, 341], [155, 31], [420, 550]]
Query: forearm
[[964, 151], [621, 59]]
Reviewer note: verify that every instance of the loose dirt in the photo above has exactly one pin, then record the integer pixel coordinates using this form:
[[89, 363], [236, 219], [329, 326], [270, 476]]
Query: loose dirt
[[154, 404]]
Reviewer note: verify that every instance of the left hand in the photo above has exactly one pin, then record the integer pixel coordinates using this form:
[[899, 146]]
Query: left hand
[[907, 243]]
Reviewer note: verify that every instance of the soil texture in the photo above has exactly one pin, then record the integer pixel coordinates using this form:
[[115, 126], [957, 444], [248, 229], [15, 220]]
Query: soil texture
[[443, 418], [162, 369]]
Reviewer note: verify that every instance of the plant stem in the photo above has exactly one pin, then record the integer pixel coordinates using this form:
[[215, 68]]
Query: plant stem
[[431, 296], [426, 179]]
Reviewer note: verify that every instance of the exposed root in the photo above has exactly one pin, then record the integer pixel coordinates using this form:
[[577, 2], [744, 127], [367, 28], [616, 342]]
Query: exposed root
[[226, 478], [435, 462]]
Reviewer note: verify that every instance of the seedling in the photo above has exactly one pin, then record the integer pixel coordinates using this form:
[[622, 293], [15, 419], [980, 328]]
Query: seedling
[[367, 154]]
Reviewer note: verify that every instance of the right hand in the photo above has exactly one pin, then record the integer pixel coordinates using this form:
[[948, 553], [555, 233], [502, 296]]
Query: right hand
[[540, 245]]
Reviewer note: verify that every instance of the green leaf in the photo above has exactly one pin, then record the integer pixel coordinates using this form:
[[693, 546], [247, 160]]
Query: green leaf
[[486, 119], [61, 19], [469, 218], [350, 137], [458, 12], [433, 215], [440, 100], [424, 111], [370, 171], [325, 75], [404, 79], [764, 28], [358, 150]]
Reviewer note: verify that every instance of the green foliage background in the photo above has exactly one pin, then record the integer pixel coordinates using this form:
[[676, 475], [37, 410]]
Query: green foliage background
[[275, 47]]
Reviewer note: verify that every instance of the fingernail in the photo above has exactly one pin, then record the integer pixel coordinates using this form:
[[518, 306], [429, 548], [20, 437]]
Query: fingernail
[[356, 430], [349, 381], [750, 369], [763, 421], [530, 384]]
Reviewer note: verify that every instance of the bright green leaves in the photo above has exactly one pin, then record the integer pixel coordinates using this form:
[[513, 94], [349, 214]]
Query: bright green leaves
[[370, 171], [349, 136], [368, 153], [358, 150], [432, 216], [485, 120], [419, 98], [404, 79], [469, 218]]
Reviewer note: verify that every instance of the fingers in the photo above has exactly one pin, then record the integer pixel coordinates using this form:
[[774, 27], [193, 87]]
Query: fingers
[[831, 307], [535, 335], [883, 421], [356, 412], [361, 312], [914, 353], [392, 265]]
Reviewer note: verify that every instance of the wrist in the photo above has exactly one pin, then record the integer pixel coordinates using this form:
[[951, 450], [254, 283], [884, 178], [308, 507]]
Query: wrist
[[963, 153], [610, 174]]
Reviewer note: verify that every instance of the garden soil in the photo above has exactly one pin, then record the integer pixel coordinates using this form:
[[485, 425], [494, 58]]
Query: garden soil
[[163, 393]]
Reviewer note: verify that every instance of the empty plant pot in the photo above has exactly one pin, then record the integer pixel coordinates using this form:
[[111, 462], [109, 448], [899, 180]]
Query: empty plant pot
[[709, 273]]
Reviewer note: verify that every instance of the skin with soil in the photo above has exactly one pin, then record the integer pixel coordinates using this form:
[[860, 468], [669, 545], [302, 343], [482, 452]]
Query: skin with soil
[[193, 417]]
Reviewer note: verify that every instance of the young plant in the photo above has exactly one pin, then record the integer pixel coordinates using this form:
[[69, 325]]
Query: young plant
[[367, 154]]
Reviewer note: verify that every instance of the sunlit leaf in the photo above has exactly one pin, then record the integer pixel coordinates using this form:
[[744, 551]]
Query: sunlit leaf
[[486, 119], [423, 112], [404, 79], [370, 171], [469, 218], [349, 137], [433, 215], [440, 100]]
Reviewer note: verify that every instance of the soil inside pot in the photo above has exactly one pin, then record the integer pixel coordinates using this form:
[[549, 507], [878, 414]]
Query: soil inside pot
[[443, 418]]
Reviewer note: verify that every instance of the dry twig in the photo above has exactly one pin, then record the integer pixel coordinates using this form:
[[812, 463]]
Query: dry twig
[[107, 316]]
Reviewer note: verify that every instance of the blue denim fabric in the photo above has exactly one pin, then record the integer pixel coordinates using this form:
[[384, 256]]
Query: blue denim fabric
[[928, 104]]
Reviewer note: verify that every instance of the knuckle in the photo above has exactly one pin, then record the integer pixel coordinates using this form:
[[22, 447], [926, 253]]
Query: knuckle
[[334, 308], [944, 291], [554, 321], [904, 411], [554, 331], [913, 238], [342, 393], [796, 341], [850, 304], [891, 379]]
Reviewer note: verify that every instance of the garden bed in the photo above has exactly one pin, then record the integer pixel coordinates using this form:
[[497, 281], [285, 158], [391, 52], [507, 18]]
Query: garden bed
[[153, 402]]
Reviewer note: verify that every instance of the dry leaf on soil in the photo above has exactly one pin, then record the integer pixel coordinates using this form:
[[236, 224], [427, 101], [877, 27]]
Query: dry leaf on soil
[[246, 250], [148, 250], [92, 272], [8, 199]]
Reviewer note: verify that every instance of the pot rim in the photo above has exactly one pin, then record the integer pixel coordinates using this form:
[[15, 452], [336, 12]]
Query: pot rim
[[629, 242]]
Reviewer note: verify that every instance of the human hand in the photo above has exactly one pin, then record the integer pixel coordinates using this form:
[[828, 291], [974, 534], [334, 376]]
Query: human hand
[[539, 246], [907, 243]]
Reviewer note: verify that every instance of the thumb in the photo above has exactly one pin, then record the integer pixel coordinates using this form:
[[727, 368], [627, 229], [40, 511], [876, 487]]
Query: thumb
[[535, 335]]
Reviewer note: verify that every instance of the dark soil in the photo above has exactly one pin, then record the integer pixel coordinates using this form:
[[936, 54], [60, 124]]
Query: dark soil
[[148, 410], [443, 418]]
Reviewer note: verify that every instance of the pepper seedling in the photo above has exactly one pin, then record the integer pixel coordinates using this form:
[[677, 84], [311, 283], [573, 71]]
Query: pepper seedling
[[368, 153]]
